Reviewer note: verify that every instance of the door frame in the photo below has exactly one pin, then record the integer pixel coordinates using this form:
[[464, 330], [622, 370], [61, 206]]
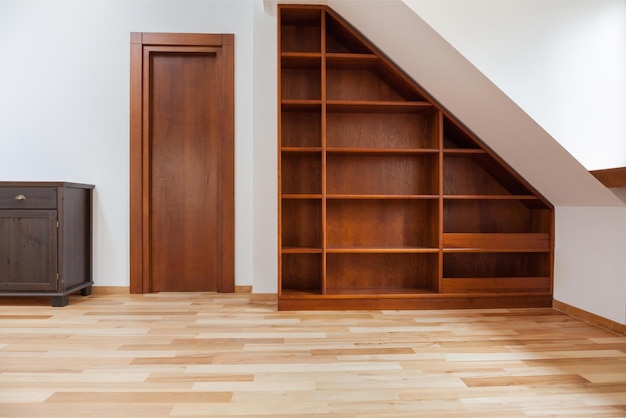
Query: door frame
[[142, 44]]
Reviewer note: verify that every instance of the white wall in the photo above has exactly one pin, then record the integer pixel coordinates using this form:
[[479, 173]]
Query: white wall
[[64, 116], [563, 62], [265, 218], [64, 105], [590, 262], [620, 192]]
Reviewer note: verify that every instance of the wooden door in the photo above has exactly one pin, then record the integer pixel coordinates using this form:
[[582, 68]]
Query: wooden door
[[182, 153]]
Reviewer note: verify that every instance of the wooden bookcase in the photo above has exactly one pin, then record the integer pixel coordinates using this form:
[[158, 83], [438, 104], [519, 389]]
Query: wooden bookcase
[[386, 201]]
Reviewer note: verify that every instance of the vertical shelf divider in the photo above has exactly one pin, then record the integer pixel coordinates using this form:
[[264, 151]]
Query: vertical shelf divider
[[324, 147], [440, 168], [279, 204]]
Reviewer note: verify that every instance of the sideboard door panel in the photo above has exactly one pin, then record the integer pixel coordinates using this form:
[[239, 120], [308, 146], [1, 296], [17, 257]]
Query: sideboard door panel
[[28, 248]]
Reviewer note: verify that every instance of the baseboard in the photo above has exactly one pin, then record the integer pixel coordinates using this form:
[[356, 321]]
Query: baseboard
[[264, 297], [261, 297], [124, 290], [589, 317], [109, 290]]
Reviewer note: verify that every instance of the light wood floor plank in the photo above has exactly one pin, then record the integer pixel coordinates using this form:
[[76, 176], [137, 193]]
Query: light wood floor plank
[[210, 355]]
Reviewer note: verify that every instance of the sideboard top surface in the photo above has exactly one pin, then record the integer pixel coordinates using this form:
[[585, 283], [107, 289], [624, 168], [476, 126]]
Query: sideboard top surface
[[45, 184]]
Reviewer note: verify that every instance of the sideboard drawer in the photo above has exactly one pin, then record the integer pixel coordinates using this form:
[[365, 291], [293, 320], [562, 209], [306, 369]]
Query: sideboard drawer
[[28, 198]]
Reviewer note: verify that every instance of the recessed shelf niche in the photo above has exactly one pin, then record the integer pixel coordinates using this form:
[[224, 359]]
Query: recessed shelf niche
[[386, 200]]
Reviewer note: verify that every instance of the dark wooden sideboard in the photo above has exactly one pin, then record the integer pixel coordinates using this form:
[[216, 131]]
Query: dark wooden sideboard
[[45, 239]]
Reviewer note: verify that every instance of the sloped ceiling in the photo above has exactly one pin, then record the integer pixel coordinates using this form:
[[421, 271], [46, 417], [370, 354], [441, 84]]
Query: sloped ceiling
[[465, 92]]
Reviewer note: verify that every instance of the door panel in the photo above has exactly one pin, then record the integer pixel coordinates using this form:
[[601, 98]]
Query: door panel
[[184, 143], [182, 162]]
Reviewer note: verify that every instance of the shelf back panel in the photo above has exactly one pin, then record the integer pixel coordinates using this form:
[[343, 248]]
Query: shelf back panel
[[302, 272], [382, 130], [382, 223], [301, 30], [301, 84], [381, 174], [301, 129], [301, 223], [301, 173], [381, 271], [491, 265], [494, 216]]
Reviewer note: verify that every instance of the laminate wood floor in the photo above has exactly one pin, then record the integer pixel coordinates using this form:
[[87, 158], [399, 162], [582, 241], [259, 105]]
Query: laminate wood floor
[[208, 355]]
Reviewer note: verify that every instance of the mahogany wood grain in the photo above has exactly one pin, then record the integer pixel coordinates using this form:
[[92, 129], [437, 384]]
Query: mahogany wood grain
[[358, 84], [499, 285], [136, 163], [301, 83], [380, 272], [611, 177], [383, 193], [589, 317], [371, 130], [408, 299], [182, 162], [493, 216], [381, 223], [186, 39], [301, 31], [528, 241], [302, 223], [495, 264], [301, 129], [305, 170], [302, 271], [409, 174], [184, 173]]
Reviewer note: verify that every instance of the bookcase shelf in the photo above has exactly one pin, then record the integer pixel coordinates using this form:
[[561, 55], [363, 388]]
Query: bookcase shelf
[[380, 250], [301, 60], [386, 200], [382, 196]]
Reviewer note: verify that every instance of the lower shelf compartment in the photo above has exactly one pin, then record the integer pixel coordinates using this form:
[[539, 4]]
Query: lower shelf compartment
[[381, 273], [495, 284], [358, 292], [302, 272], [293, 301], [493, 265], [377, 291]]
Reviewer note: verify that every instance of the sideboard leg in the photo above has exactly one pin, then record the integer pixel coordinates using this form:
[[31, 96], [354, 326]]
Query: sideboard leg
[[60, 301]]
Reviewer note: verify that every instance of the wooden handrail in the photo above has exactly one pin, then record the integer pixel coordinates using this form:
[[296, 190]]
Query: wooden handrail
[[611, 177]]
